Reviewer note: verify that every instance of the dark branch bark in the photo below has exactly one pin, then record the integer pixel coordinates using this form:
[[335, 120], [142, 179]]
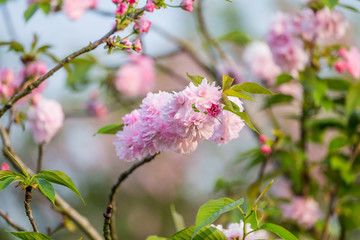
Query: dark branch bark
[[28, 209]]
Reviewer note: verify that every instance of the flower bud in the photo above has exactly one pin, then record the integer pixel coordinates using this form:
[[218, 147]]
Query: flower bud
[[4, 166], [265, 149]]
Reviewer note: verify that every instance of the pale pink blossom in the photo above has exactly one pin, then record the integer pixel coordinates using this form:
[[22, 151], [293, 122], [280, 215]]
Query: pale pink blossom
[[4, 167], [7, 77], [292, 88], [46, 117], [281, 188], [259, 59], [236, 231], [126, 42], [229, 125], [131, 118], [117, 1], [305, 24], [143, 25], [95, 107], [350, 61], [75, 9], [262, 139], [304, 210], [331, 26], [137, 45], [287, 50], [122, 8], [137, 77], [187, 5], [150, 6]]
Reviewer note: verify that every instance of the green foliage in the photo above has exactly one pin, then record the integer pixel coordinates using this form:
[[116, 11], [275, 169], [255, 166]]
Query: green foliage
[[352, 99], [30, 236], [46, 188], [283, 78], [155, 238], [6, 182], [58, 177], [338, 142], [238, 38], [195, 79], [78, 72], [330, 3], [252, 88], [31, 10], [244, 117], [110, 129], [227, 82], [177, 218], [206, 233], [278, 230], [211, 210], [277, 99]]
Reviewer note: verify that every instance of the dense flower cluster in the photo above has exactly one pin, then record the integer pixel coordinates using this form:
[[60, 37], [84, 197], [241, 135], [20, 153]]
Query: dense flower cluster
[[45, 117], [236, 231], [137, 77], [177, 121], [304, 210]]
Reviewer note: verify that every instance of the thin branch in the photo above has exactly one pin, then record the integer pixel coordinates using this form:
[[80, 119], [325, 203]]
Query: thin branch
[[10, 222], [61, 205], [28, 209], [61, 64], [40, 157], [123, 176]]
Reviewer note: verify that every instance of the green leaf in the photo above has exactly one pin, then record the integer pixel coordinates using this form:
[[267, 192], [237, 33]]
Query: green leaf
[[17, 47], [353, 99], [283, 78], [206, 233], [227, 82], [14, 159], [239, 38], [58, 177], [252, 88], [226, 101], [30, 236], [177, 218], [349, 7], [6, 182], [195, 79], [337, 143], [45, 7], [44, 49], [110, 129], [330, 3], [31, 10], [6, 173], [262, 194], [153, 237], [337, 84], [277, 99], [278, 230], [239, 94], [244, 117], [47, 189], [211, 210]]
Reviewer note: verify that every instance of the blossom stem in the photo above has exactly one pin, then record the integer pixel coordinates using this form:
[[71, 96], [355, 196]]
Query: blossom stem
[[28, 209], [10, 222], [123, 176], [40, 157], [60, 65]]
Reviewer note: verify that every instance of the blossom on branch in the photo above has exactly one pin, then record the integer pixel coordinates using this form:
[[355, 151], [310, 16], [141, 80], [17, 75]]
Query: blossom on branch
[[236, 231], [350, 61]]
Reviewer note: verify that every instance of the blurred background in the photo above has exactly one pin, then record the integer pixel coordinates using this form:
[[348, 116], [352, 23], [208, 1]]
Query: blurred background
[[144, 200]]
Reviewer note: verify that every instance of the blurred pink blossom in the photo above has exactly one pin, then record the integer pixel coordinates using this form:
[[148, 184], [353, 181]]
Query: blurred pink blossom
[[331, 26], [137, 77], [117, 1], [305, 24], [281, 188], [187, 5], [304, 210], [121, 9], [95, 107], [265, 149], [45, 117], [4, 167], [126, 42], [258, 57], [350, 61], [150, 6], [292, 88], [143, 25], [137, 45], [7, 77], [131, 1], [262, 139], [75, 9]]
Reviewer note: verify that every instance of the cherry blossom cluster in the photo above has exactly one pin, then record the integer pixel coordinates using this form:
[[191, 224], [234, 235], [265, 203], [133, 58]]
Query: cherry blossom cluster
[[45, 117], [177, 121], [236, 231], [289, 41]]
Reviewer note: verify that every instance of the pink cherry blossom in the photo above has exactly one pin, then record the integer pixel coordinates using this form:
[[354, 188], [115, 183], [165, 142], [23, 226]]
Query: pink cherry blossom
[[131, 1], [258, 57], [303, 210], [126, 42], [214, 110], [131, 118], [75, 9], [137, 77], [4, 167], [187, 5], [150, 6], [236, 231], [143, 25], [137, 45], [117, 1], [95, 107], [331, 26], [350, 61], [305, 24], [46, 117], [122, 8], [265, 149], [7, 77]]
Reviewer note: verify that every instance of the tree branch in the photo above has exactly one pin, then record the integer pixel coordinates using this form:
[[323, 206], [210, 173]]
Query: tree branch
[[40, 157], [61, 64], [61, 205], [123, 176], [28, 209], [10, 222]]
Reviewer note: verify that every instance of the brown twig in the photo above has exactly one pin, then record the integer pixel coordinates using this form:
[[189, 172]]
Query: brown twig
[[61, 205], [40, 157], [330, 212], [61, 64], [123, 176], [28, 209], [10, 222]]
